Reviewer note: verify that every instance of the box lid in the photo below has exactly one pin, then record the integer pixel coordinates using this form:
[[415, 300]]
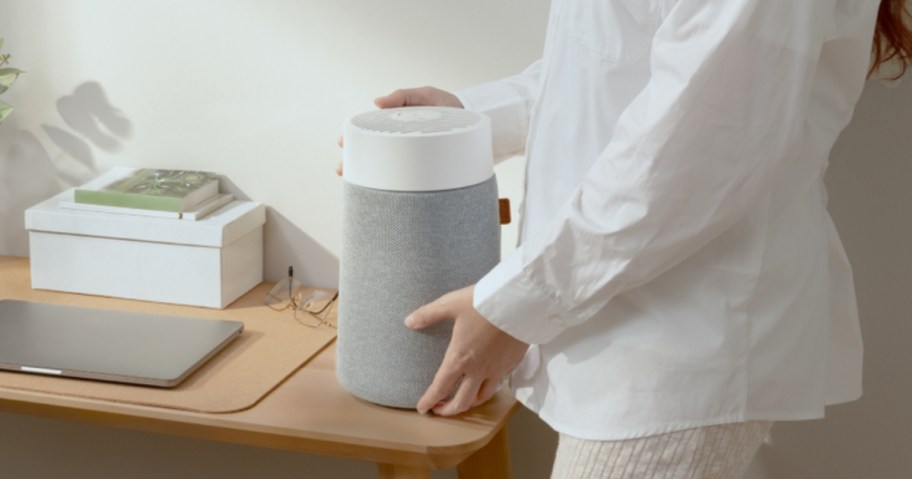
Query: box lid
[[219, 228]]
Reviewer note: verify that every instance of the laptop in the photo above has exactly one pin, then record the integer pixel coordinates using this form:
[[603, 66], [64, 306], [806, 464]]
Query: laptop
[[105, 345]]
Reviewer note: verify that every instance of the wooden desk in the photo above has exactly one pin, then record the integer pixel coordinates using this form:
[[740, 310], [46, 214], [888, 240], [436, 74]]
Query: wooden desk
[[309, 412]]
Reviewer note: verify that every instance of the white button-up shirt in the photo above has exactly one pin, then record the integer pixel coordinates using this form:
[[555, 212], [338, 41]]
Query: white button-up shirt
[[677, 264]]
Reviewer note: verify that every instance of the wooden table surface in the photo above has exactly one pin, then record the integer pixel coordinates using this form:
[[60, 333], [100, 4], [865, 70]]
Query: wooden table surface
[[309, 412]]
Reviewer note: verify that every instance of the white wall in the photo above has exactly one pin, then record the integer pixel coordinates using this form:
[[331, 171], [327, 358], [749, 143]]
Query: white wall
[[257, 91]]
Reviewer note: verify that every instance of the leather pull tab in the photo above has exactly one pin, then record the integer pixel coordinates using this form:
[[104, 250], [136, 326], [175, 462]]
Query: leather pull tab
[[504, 205]]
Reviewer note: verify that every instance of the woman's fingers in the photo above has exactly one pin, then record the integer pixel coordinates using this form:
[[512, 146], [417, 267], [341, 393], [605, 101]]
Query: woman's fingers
[[421, 96], [462, 400], [439, 391]]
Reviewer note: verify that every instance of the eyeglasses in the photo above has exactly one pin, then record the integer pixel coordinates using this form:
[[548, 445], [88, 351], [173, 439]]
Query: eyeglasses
[[311, 305]]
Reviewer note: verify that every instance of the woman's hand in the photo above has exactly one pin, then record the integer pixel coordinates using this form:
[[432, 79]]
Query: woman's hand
[[421, 96], [478, 357]]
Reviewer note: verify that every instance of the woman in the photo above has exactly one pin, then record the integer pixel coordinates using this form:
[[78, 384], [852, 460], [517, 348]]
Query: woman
[[679, 283]]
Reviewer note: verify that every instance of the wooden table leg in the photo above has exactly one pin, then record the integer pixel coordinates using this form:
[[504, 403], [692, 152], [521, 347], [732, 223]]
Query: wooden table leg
[[490, 462], [393, 471]]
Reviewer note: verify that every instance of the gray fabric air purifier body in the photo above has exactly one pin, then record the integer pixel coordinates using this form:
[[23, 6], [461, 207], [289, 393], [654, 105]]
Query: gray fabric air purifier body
[[418, 223]]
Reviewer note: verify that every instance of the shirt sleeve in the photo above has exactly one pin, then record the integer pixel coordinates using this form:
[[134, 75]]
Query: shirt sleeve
[[707, 137], [508, 102]]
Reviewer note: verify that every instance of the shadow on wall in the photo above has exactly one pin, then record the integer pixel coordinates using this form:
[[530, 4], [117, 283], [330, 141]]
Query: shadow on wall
[[871, 205], [284, 245], [27, 176], [93, 123], [36, 166], [88, 112], [29, 173]]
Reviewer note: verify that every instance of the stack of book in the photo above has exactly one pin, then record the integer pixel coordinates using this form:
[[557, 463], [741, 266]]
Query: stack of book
[[180, 194]]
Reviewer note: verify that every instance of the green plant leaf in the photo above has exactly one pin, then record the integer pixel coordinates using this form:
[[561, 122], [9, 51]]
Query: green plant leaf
[[5, 110], [7, 77], [1, 42]]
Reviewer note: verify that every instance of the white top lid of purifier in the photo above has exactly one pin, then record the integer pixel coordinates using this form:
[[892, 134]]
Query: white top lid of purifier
[[417, 149]]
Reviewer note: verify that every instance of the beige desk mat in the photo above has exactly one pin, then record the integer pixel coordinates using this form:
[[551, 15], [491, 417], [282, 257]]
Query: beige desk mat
[[272, 347]]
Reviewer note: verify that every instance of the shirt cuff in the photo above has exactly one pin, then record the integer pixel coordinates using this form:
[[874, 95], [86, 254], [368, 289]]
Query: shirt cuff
[[508, 298]]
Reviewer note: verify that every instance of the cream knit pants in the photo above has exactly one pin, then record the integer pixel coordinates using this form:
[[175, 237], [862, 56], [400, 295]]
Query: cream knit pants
[[713, 452]]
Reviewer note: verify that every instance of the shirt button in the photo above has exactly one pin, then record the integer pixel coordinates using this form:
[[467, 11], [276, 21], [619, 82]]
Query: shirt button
[[557, 320]]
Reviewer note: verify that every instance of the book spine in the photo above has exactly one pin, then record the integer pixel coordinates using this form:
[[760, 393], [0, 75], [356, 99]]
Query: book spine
[[195, 214], [147, 202], [72, 205]]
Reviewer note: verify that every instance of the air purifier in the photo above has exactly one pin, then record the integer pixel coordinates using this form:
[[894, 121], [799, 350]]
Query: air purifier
[[420, 219]]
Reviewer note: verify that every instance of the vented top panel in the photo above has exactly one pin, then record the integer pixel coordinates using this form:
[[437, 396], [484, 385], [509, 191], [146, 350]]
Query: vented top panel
[[418, 149], [417, 120]]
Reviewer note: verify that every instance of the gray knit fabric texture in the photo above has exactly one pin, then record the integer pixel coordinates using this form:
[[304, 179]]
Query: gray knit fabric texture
[[401, 250]]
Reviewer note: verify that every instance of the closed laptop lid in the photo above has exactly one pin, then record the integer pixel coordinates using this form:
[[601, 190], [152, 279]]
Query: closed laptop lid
[[120, 346]]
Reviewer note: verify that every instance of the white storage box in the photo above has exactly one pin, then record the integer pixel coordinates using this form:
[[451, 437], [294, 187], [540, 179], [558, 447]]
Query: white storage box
[[210, 262]]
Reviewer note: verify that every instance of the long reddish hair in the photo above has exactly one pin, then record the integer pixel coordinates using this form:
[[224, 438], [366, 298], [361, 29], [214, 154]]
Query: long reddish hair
[[893, 36]]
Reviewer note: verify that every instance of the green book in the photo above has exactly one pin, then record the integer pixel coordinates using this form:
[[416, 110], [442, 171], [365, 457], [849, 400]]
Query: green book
[[151, 189]]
